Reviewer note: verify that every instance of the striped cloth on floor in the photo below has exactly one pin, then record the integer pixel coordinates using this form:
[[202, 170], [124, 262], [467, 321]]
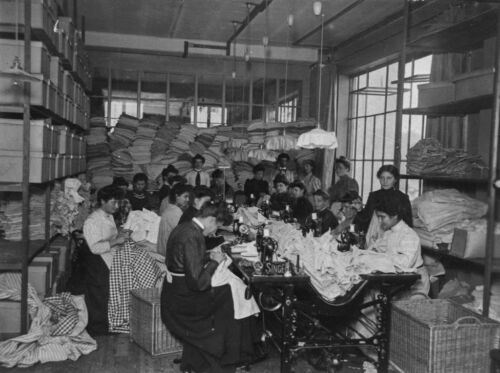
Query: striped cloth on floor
[[132, 268], [57, 330]]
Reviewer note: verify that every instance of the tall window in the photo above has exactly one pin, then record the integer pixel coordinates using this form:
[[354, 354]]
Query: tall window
[[372, 122]]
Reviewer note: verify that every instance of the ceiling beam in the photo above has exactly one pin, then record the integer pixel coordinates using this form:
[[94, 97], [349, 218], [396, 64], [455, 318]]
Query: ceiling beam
[[336, 16], [255, 11]]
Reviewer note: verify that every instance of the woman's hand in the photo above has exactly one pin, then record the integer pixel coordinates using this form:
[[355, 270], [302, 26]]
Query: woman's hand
[[119, 240], [218, 256]]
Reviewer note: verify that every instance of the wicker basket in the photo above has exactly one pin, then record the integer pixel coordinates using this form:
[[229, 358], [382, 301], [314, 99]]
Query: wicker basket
[[440, 336], [146, 327]]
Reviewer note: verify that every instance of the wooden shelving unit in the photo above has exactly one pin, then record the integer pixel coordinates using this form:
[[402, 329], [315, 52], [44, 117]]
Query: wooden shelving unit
[[454, 108], [16, 256], [458, 37], [462, 36]]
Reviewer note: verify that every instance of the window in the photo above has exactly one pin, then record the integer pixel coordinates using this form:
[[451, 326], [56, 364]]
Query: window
[[209, 116], [372, 122]]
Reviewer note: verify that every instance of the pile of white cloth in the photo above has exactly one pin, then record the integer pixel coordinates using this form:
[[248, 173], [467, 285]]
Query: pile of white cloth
[[11, 216], [144, 225], [57, 331], [332, 273], [437, 213]]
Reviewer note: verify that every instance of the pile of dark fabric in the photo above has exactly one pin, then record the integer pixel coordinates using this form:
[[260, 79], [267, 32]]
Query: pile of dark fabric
[[428, 157]]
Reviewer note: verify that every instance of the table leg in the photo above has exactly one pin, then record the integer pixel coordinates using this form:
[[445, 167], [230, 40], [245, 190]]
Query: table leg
[[289, 328], [384, 322]]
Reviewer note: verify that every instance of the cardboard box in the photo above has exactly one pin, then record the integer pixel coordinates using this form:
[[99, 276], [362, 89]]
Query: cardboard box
[[39, 277], [435, 93], [10, 320], [471, 244], [41, 166], [474, 84], [61, 244], [52, 258]]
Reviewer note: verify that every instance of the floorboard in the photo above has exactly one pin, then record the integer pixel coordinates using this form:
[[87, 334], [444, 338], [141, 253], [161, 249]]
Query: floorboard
[[118, 354]]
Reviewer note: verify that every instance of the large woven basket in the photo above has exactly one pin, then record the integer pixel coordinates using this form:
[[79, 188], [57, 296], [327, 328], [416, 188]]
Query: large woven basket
[[146, 327], [429, 336]]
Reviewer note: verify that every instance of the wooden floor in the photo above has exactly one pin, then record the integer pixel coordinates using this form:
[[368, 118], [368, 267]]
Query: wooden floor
[[117, 354]]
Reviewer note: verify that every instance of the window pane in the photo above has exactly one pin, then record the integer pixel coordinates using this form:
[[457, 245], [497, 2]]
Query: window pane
[[390, 134], [360, 138], [379, 137], [153, 94]]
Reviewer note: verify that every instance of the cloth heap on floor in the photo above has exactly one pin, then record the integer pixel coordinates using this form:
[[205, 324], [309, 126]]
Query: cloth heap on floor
[[57, 331], [429, 157], [11, 216], [437, 213], [332, 273], [65, 207]]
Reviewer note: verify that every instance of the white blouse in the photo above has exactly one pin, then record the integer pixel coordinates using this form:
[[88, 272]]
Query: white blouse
[[99, 229], [402, 244]]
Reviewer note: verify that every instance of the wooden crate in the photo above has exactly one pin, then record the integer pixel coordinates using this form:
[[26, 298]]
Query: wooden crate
[[146, 327]]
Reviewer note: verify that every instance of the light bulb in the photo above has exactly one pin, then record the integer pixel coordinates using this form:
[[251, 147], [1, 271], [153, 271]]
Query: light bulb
[[290, 20], [247, 56], [233, 74], [317, 5], [265, 40]]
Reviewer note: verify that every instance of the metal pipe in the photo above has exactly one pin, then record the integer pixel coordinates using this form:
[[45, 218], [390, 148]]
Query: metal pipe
[[401, 86], [329, 20], [494, 174], [26, 168], [255, 11]]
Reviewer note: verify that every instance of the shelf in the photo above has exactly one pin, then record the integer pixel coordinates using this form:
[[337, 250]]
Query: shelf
[[11, 253], [477, 262], [447, 179], [15, 111], [11, 187], [455, 108], [459, 37], [8, 32]]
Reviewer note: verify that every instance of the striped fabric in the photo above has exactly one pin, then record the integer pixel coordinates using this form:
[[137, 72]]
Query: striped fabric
[[57, 329]]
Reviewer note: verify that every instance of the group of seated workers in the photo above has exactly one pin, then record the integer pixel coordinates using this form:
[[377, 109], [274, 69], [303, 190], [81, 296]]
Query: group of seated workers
[[200, 315]]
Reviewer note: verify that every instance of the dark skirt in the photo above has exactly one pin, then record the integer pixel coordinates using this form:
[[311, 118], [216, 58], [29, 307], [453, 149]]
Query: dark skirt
[[204, 322]]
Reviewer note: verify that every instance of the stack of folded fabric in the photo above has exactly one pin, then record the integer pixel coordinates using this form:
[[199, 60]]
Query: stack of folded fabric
[[122, 164], [429, 157], [141, 147], [124, 132], [11, 216], [437, 213], [164, 136], [98, 154]]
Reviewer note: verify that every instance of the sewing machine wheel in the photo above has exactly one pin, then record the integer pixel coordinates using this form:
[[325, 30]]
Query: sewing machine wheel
[[270, 299]]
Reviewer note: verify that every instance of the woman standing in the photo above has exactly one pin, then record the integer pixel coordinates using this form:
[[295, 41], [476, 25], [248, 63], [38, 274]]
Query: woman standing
[[311, 182], [345, 183], [388, 176], [200, 315]]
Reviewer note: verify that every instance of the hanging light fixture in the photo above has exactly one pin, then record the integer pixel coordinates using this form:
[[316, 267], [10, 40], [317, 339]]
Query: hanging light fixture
[[16, 71], [318, 138], [284, 142]]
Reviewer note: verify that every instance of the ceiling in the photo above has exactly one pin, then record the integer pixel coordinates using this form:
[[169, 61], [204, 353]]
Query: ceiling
[[211, 20]]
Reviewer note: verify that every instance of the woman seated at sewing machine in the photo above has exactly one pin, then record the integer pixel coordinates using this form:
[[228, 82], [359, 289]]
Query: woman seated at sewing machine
[[200, 315], [281, 198], [399, 241]]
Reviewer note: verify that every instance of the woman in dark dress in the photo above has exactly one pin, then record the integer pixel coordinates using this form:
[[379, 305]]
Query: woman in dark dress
[[202, 317], [388, 176]]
